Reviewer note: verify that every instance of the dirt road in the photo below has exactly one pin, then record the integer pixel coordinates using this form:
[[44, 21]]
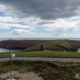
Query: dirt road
[[43, 59]]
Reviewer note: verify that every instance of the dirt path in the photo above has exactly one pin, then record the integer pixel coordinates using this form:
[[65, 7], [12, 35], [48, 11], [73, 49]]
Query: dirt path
[[43, 59], [22, 76]]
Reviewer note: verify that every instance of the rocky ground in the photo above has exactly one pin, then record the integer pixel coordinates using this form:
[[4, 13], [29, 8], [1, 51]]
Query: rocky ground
[[22, 76]]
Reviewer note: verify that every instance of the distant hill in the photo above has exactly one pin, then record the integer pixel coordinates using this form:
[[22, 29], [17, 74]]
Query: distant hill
[[40, 45]]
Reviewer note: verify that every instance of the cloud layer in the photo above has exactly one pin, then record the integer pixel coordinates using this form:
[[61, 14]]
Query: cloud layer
[[53, 16], [44, 9]]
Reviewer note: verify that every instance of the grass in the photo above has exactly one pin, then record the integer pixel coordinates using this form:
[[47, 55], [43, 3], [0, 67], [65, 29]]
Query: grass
[[50, 54], [50, 44], [53, 54], [47, 70]]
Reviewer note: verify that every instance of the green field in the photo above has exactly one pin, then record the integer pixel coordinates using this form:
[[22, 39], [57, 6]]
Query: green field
[[52, 54]]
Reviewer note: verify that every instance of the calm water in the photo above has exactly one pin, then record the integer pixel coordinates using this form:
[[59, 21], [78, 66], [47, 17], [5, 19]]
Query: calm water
[[3, 50], [78, 50]]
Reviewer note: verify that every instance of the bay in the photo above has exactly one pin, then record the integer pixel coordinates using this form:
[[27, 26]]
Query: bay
[[4, 50]]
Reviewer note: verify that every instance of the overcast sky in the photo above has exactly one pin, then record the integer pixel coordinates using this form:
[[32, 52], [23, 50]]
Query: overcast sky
[[39, 18]]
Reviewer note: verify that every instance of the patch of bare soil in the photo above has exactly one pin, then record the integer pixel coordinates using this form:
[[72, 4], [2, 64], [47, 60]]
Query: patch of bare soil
[[22, 76]]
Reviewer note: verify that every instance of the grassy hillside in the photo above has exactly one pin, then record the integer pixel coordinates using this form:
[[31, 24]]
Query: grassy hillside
[[60, 45], [41, 45]]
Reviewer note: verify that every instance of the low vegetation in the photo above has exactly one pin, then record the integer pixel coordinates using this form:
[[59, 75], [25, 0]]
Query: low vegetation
[[47, 70]]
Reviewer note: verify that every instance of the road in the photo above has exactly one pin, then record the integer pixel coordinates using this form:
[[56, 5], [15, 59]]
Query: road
[[42, 59]]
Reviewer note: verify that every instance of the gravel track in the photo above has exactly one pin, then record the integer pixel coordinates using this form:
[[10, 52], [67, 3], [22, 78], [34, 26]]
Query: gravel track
[[42, 59]]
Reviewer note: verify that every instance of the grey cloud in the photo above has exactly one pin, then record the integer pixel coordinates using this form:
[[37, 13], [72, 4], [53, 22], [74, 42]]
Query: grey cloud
[[44, 9], [15, 32]]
